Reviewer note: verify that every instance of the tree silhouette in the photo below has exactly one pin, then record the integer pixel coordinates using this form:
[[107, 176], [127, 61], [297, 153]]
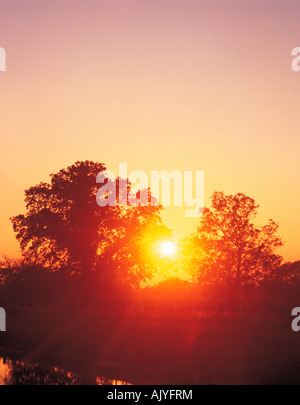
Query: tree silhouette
[[230, 248], [64, 228], [289, 272]]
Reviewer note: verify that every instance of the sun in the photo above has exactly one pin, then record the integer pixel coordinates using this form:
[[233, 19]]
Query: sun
[[168, 248]]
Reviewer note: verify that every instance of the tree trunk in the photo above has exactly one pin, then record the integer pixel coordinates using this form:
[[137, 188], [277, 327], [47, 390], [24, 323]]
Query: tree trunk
[[238, 282]]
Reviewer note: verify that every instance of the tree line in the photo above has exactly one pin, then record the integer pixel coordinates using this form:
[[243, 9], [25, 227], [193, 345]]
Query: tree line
[[73, 248]]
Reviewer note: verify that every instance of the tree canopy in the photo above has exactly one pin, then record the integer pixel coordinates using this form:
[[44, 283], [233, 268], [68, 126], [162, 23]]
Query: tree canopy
[[229, 248], [64, 228]]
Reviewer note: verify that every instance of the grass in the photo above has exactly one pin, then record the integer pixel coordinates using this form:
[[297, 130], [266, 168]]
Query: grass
[[159, 350]]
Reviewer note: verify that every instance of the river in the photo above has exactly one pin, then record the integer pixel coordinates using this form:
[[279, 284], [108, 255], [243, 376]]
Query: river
[[16, 372]]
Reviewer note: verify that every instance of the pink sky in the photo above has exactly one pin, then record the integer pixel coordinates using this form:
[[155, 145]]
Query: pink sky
[[159, 84]]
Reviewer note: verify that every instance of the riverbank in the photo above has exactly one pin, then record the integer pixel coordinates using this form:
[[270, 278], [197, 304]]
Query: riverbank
[[216, 350]]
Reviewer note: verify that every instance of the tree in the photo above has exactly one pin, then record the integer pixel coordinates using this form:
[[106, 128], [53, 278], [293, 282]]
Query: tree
[[289, 273], [231, 249], [65, 229]]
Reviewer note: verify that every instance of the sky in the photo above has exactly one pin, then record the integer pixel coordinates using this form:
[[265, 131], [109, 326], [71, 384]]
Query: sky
[[158, 84]]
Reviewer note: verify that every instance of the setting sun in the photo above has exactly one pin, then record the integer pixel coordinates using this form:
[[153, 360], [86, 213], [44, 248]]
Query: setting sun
[[168, 248]]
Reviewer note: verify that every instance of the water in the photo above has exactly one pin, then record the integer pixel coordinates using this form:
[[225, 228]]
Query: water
[[15, 372]]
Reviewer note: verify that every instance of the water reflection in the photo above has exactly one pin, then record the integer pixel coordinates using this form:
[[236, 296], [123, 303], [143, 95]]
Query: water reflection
[[14, 372]]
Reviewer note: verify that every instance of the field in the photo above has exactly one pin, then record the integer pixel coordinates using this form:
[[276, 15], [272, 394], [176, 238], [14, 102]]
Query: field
[[219, 349]]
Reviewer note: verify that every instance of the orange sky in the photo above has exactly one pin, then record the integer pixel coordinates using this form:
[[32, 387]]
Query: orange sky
[[161, 85]]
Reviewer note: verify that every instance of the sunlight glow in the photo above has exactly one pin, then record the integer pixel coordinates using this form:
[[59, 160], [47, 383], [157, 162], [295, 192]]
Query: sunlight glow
[[168, 248]]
